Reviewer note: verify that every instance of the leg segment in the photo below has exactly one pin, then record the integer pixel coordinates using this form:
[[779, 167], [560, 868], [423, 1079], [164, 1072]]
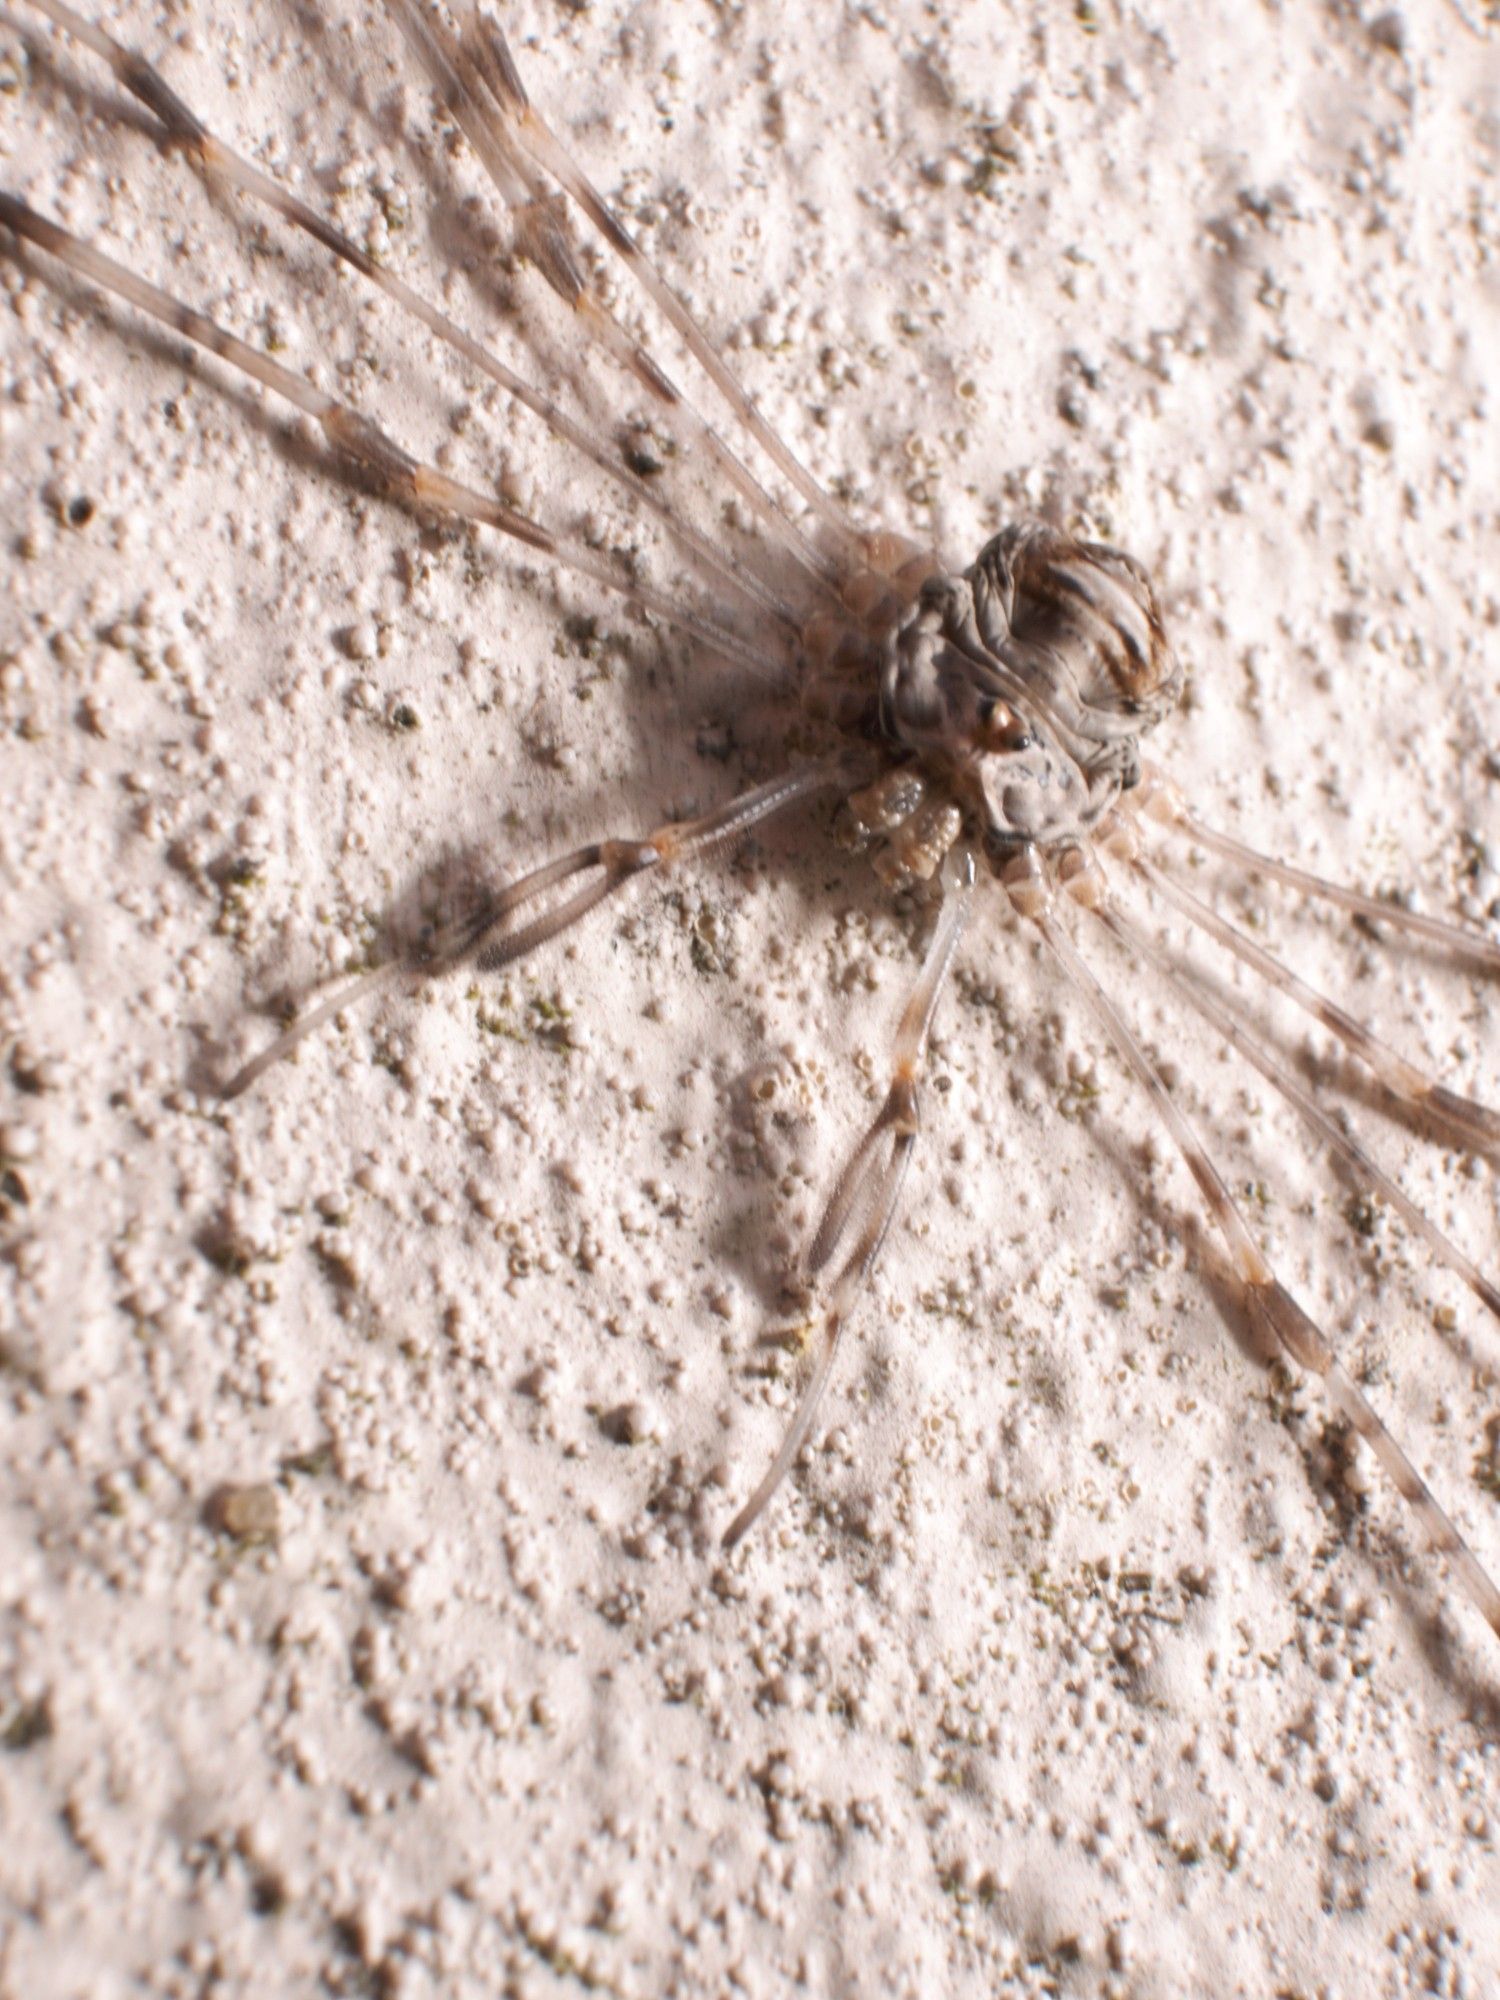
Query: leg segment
[[1269, 1303], [1119, 836], [367, 449], [863, 1203], [1475, 1123], [1162, 801], [479, 86], [482, 938], [218, 163]]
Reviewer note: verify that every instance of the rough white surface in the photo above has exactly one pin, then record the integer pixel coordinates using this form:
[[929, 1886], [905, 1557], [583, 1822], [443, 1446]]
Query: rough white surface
[[1075, 1658]]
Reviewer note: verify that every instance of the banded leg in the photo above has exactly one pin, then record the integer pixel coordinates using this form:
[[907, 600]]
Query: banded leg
[[1162, 801], [1271, 1306], [1356, 1160], [492, 59], [478, 85], [1476, 1123], [183, 130], [863, 1203], [362, 445], [482, 939]]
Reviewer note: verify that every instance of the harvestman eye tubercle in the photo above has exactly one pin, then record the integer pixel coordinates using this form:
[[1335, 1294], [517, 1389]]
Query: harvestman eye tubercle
[[982, 723]]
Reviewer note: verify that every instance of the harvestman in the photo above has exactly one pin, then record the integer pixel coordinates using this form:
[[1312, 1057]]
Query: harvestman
[[978, 721]]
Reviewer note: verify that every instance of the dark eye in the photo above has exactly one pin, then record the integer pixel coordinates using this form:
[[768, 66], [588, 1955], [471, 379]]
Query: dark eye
[[1000, 727]]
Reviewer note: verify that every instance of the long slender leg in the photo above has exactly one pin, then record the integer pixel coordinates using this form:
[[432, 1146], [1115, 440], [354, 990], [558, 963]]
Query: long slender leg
[[1161, 800], [543, 240], [863, 1203], [494, 62], [1183, 982], [364, 445], [184, 130], [1478, 1124], [1267, 1300], [477, 82], [482, 939]]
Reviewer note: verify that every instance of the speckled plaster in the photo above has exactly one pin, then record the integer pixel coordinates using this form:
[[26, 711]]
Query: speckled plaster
[[366, 1444]]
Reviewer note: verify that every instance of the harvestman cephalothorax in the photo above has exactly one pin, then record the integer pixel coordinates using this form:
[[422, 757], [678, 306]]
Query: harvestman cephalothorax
[[982, 724]]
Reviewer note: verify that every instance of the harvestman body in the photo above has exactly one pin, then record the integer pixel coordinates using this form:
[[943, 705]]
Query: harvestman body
[[983, 721]]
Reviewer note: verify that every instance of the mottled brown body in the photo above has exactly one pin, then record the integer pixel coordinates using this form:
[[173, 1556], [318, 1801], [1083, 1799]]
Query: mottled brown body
[[1015, 697]]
